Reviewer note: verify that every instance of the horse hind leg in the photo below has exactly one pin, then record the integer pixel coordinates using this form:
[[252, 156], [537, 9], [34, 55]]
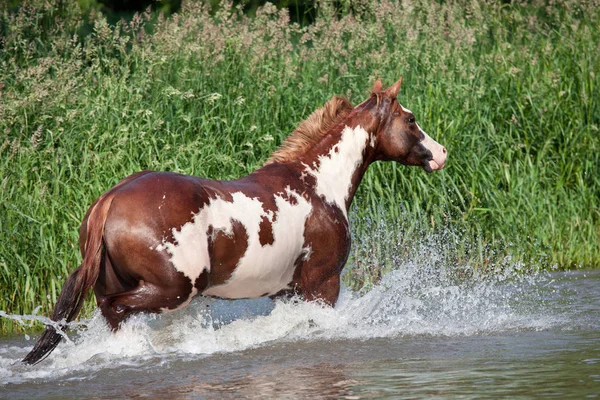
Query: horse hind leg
[[146, 297]]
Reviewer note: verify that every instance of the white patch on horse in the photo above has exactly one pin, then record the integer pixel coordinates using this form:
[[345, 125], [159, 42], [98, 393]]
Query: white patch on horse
[[372, 141], [405, 109], [162, 203], [189, 250], [437, 151], [307, 253], [262, 269], [270, 268], [335, 170]]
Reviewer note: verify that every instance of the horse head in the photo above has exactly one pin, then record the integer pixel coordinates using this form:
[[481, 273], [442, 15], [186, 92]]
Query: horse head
[[397, 135]]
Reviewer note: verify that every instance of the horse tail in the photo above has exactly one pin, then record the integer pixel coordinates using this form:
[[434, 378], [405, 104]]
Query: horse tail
[[77, 285]]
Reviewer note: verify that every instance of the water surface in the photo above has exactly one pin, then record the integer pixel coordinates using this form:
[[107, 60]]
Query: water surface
[[420, 333]]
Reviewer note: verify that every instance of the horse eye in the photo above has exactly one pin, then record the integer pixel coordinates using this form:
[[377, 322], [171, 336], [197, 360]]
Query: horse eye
[[411, 120]]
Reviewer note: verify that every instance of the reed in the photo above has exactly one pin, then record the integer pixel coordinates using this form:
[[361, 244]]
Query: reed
[[510, 89]]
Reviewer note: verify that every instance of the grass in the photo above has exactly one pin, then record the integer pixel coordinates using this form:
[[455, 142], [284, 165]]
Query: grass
[[510, 89]]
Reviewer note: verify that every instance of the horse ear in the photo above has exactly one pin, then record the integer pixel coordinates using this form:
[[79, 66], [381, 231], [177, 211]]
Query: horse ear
[[378, 86], [393, 90]]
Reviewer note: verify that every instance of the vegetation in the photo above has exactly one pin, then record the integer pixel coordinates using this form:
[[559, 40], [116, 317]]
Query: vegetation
[[512, 90]]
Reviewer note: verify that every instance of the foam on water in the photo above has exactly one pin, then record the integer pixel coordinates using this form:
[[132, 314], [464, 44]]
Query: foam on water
[[418, 297]]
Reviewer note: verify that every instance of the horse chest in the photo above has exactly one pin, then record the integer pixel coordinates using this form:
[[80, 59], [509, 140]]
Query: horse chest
[[254, 247]]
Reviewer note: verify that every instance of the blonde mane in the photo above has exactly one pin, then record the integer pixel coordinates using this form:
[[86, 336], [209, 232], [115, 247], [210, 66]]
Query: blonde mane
[[311, 130]]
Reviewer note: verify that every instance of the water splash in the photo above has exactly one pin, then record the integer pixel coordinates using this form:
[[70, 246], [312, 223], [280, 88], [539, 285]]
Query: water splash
[[425, 294]]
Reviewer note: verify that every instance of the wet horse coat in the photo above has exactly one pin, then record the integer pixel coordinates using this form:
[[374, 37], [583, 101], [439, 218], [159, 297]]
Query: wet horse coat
[[157, 239]]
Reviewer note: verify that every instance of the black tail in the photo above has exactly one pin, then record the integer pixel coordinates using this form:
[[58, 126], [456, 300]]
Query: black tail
[[77, 285], [66, 309]]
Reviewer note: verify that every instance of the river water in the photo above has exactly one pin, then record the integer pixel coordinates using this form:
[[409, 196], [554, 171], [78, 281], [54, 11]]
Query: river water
[[420, 333]]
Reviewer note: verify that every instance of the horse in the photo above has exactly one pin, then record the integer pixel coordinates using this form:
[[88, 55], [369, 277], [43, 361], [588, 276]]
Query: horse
[[156, 240]]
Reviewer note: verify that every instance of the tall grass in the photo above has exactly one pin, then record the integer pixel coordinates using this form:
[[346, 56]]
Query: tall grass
[[512, 90]]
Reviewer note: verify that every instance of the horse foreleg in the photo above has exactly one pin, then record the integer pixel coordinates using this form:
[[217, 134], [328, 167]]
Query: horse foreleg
[[319, 277], [322, 289]]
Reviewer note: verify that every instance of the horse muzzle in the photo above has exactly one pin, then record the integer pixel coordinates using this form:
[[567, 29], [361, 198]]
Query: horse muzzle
[[438, 154]]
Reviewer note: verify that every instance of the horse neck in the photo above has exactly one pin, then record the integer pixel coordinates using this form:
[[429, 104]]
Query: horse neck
[[338, 163]]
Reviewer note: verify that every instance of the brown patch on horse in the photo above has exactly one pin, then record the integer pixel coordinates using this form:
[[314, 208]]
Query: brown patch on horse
[[311, 130], [289, 198], [265, 232], [202, 281], [226, 250]]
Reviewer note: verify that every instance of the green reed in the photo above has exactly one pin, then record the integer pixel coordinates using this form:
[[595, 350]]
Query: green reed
[[510, 89]]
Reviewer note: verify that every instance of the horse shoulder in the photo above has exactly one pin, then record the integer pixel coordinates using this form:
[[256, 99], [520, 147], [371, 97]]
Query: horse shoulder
[[327, 229]]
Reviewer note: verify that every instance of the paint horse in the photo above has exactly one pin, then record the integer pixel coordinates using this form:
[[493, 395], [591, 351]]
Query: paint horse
[[157, 239]]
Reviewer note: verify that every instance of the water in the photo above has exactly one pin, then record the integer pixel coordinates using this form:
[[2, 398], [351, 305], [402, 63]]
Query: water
[[422, 332]]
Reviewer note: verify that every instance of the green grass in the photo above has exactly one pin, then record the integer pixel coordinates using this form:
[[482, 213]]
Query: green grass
[[511, 90]]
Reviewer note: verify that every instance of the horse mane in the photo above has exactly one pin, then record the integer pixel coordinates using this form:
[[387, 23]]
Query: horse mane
[[310, 131]]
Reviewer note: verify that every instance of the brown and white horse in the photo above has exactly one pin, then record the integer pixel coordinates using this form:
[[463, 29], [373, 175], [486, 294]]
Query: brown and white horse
[[157, 239]]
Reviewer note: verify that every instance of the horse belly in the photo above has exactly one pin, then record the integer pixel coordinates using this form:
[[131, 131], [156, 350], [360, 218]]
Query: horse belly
[[249, 250], [263, 270], [275, 242]]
